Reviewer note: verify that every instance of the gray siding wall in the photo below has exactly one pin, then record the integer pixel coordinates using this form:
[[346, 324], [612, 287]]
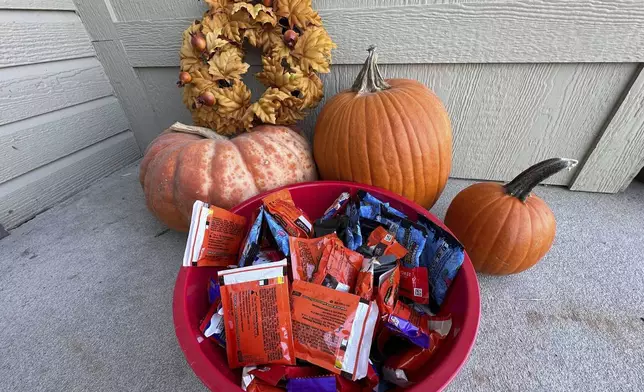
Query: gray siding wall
[[61, 126], [522, 80]]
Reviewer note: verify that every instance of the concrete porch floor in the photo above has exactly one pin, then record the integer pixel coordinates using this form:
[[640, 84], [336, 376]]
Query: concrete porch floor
[[86, 289]]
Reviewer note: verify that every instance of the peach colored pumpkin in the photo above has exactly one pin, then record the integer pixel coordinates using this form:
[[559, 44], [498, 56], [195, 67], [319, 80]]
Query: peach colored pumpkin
[[392, 133], [187, 163]]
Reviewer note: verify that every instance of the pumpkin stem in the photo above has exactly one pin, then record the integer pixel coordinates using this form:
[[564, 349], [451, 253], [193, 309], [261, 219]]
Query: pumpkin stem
[[523, 184], [369, 79], [194, 130]]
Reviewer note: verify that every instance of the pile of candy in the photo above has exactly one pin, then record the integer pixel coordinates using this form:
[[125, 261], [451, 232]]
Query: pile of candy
[[365, 284]]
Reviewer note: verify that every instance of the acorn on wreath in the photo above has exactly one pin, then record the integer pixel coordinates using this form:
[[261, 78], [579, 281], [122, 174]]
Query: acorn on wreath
[[294, 45]]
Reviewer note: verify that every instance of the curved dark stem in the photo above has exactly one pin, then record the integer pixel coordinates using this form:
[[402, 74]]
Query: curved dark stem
[[523, 184], [369, 79]]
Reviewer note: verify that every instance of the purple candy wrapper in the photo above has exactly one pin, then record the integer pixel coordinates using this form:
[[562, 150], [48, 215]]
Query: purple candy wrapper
[[317, 384], [410, 324]]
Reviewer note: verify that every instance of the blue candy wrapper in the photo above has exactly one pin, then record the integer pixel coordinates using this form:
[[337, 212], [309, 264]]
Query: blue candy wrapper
[[446, 262], [279, 234], [353, 235], [368, 198], [251, 243], [337, 205], [213, 290], [212, 325], [414, 240], [310, 384]]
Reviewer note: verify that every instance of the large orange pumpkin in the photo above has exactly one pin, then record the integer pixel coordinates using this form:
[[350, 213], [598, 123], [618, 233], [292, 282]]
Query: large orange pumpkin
[[505, 228], [187, 163], [393, 133]]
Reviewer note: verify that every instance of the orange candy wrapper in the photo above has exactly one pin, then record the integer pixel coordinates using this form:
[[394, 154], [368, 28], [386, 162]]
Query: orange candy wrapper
[[281, 206], [384, 243], [339, 267], [306, 254], [332, 329], [214, 238], [257, 315], [388, 285], [364, 283]]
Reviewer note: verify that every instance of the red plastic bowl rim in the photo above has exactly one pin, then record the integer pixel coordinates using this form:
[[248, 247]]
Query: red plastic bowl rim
[[444, 372]]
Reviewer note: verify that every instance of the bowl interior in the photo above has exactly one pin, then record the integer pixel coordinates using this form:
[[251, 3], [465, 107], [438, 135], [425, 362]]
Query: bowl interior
[[208, 360]]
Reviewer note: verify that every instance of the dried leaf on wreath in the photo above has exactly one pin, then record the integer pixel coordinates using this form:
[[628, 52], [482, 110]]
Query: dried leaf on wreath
[[274, 75], [213, 42], [289, 111], [258, 12], [313, 50], [227, 65], [264, 37], [266, 107], [312, 90], [233, 100], [299, 13]]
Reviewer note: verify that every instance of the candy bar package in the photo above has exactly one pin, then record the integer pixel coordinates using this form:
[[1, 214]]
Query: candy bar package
[[212, 325], [444, 266], [258, 385], [332, 329], [383, 243], [310, 384], [404, 367], [257, 315], [336, 207], [414, 284], [251, 247], [281, 207], [214, 237], [364, 283], [353, 235], [388, 285], [336, 225], [410, 324], [306, 254], [367, 198], [338, 268]]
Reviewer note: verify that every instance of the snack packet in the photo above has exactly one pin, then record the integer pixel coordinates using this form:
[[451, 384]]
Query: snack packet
[[338, 268], [267, 256], [306, 254], [251, 247], [280, 205], [280, 235], [384, 243], [406, 365], [212, 325], [444, 266], [414, 284], [332, 329], [258, 385], [364, 283], [257, 316], [310, 384], [388, 285], [353, 235], [367, 198], [336, 225], [417, 327], [214, 237], [337, 206]]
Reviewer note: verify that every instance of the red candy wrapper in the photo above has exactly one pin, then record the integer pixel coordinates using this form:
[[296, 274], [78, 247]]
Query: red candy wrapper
[[258, 385], [339, 267], [214, 238], [257, 315], [281, 206], [388, 286], [384, 243], [407, 366], [307, 253], [332, 329], [414, 284]]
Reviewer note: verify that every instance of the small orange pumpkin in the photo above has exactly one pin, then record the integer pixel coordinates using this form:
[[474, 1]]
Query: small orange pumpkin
[[505, 228], [393, 133], [187, 163]]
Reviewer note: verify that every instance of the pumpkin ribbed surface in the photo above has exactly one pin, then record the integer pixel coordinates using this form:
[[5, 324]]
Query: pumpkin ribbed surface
[[502, 234], [179, 168], [398, 139]]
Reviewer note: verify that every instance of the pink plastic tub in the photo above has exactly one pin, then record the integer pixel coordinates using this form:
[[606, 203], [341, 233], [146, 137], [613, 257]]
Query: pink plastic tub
[[208, 360]]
